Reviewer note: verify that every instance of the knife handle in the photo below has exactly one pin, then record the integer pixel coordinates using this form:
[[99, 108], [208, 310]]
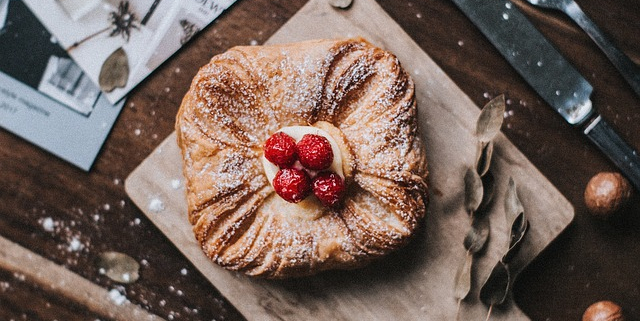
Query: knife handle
[[618, 151]]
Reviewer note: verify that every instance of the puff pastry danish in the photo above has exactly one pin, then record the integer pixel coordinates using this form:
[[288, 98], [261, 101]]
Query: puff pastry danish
[[361, 95]]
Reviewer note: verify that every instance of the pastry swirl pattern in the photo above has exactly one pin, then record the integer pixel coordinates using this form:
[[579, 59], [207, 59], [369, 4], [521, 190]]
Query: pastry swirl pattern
[[245, 95]]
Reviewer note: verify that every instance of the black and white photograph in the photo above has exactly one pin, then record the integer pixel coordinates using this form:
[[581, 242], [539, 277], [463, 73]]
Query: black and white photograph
[[31, 55], [45, 97], [118, 43]]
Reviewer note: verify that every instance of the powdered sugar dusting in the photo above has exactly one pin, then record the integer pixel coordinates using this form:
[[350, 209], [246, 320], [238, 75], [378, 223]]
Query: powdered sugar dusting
[[48, 224], [117, 297], [156, 205]]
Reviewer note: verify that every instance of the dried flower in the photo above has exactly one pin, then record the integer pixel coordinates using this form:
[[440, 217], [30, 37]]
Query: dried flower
[[123, 21], [479, 189]]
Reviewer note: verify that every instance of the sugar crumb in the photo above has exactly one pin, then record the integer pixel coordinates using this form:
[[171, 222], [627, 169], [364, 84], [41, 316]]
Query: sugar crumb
[[48, 224], [156, 205], [75, 245], [117, 297]]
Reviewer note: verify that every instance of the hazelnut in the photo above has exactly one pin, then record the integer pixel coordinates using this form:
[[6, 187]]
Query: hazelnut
[[607, 193], [603, 311]]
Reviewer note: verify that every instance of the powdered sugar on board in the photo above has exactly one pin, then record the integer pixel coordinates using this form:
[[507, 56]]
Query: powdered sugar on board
[[156, 205]]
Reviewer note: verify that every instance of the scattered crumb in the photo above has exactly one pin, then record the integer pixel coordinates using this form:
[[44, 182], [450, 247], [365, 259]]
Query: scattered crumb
[[253, 42], [183, 271], [176, 183], [177, 70], [117, 297], [137, 132], [48, 224], [116, 181], [75, 245], [135, 222], [106, 207], [19, 276], [460, 43], [419, 15], [167, 89]]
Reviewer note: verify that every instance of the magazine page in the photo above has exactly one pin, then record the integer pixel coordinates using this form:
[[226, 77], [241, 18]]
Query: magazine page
[[117, 42], [45, 97]]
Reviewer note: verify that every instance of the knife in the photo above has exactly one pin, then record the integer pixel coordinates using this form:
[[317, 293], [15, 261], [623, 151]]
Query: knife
[[550, 75]]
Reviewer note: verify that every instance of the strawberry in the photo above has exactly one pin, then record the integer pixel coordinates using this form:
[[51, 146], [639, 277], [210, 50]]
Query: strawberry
[[314, 152], [292, 184], [280, 149], [328, 187]]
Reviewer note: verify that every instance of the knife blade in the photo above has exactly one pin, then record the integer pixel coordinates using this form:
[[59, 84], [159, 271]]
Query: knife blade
[[550, 75]]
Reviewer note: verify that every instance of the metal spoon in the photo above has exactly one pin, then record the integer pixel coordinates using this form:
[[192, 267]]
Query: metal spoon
[[629, 70]]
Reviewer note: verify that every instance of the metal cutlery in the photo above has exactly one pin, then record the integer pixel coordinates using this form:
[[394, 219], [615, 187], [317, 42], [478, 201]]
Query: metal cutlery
[[629, 70], [550, 75]]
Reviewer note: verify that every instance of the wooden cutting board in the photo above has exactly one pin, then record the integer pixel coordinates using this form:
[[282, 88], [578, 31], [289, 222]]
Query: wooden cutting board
[[417, 282]]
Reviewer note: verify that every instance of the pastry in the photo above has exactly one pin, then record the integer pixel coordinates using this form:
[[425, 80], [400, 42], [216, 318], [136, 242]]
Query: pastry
[[349, 90]]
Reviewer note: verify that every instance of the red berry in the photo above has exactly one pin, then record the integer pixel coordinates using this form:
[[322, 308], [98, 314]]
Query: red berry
[[328, 187], [280, 149], [314, 152], [292, 184]]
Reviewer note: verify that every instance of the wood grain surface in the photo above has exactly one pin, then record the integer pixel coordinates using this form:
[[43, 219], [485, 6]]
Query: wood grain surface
[[418, 282], [591, 260]]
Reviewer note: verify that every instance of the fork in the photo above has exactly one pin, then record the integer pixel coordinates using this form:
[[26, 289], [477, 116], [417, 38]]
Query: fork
[[629, 70]]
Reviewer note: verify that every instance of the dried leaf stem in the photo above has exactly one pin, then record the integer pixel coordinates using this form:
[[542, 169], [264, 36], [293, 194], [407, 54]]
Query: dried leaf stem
[[479, 189], [500, 281]]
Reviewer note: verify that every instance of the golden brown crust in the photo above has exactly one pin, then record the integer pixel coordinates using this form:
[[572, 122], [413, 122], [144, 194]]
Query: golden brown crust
[[246, 94]]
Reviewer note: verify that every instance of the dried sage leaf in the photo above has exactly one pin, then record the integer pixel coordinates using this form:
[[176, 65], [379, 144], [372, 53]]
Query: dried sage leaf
[[512, 205], [472, 190], [477, 236], [341, 4], [518, 231], [118, 267], [495, 289], [483, 161], [115, 71], [463, 278], [490, 119], [516, 218], [489, 190]]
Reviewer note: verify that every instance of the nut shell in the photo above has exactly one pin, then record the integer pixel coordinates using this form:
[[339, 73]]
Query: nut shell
[[603, 311], [607, 193]]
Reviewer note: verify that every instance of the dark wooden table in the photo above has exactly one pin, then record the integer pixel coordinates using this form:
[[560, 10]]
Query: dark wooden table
[[591, 261]]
